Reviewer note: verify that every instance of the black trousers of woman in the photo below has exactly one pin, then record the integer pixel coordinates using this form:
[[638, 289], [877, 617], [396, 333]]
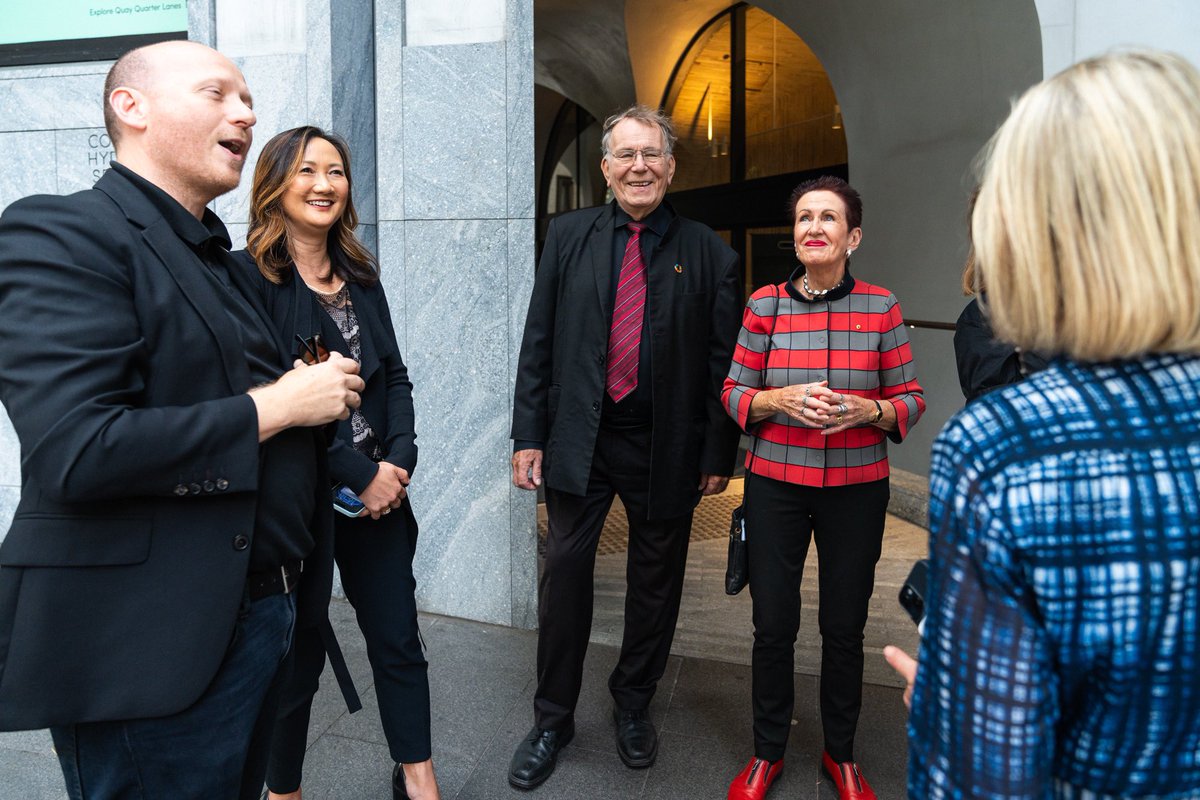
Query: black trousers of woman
[[375, 560], [781, 520]]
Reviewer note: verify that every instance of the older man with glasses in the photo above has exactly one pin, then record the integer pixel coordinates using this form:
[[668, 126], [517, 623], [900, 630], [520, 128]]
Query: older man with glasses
[[628, 338]]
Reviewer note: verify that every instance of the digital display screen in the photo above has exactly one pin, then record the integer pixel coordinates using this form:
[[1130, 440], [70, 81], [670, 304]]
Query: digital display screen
[[54, 31]]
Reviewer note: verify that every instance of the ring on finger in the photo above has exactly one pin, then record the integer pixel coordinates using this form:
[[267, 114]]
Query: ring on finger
[[842, 408], [839, 419]]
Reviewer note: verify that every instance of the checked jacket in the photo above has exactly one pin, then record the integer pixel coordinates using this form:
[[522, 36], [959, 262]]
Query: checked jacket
[[855, 338]]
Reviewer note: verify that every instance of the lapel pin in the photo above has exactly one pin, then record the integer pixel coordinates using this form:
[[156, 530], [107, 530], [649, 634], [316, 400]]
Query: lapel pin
[[679, 268]]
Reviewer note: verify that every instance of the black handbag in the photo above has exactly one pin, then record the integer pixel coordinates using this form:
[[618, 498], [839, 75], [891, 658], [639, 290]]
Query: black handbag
[[737, 570]]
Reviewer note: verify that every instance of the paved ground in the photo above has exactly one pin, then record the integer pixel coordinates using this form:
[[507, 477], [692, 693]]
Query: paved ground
[[482, 686]]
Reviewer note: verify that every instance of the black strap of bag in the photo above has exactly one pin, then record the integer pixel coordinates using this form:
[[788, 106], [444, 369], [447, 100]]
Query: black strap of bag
[[737, 570]]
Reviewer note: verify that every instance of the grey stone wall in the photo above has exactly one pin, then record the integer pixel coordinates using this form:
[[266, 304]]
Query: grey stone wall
[[456, 238]]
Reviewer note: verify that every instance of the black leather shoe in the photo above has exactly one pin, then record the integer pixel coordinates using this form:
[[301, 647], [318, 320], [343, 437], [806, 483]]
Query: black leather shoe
[[537, 755], [399, 787], [637, 741]]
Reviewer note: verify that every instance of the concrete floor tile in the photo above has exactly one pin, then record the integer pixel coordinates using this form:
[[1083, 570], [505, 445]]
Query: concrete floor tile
[[34, 742], [347, 769], [691, 767], [581, 774], [30, 776]]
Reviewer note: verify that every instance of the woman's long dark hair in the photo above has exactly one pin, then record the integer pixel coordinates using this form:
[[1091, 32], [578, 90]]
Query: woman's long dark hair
[[266, 240]]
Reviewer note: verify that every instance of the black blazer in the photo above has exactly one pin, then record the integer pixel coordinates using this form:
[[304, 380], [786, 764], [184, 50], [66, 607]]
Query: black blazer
[[694, 301], [123, 571], [387, 400], [984, 362]]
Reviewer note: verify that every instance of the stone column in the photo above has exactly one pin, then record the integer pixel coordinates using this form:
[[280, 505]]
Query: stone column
[[454, 116]]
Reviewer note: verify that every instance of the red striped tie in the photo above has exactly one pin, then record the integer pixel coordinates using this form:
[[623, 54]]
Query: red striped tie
[[625, 338]]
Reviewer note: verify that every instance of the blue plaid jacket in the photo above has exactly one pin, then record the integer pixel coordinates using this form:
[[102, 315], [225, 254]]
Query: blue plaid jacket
[[1060, 656]]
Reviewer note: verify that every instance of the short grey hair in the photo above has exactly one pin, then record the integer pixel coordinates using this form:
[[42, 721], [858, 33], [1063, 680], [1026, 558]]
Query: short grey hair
[[645, 115]]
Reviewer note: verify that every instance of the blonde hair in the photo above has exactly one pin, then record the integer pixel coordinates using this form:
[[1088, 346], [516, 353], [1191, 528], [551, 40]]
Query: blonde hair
[[1087, 226]]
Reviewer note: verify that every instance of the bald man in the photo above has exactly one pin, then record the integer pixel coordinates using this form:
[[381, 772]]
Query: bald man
[[172, 464]]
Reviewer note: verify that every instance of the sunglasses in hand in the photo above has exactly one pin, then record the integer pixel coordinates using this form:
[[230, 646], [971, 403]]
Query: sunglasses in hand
[[312, 349]]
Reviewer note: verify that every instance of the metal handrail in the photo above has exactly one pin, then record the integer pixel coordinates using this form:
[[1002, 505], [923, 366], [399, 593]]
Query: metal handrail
[[930, 324]]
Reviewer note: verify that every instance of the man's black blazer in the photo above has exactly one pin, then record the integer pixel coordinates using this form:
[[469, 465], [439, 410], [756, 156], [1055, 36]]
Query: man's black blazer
[[123, 571], [694, 302]]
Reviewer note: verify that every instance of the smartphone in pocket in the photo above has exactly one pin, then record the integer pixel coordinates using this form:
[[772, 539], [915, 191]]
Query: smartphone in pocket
[[346, 501]]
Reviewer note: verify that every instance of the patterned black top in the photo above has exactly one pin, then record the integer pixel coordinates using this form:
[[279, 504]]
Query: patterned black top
[[339, 308]]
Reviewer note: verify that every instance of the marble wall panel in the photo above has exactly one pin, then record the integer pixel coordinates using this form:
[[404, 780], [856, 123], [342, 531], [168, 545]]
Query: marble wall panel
[[81, 156], [9, 496], [10, 453], [457, 323], [353, 73], [202, 21], [389, 108], [265, 27], [52, 102], [277, 83], [436, 22], [522, 504], [55, 70], [369, 235], [455, 127], [237, 234], [319, 52], [522, 189], [34, 150], [392, 277]]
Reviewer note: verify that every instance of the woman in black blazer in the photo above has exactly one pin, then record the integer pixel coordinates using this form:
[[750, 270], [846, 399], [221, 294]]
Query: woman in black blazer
[[318, 279]]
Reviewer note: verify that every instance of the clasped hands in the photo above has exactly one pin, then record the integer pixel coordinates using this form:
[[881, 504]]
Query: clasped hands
[[815, 405]]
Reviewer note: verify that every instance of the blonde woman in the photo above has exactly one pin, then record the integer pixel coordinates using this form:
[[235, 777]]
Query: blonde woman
[[1061, 648]]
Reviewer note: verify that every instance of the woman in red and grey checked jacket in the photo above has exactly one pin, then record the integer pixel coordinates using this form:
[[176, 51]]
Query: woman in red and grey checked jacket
[[821, 377]]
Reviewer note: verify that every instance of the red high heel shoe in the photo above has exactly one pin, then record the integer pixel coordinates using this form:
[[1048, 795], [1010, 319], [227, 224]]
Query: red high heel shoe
[[752, 782], [849, 781]]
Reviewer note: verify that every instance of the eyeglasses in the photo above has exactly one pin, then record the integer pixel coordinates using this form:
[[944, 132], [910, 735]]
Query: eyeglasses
[[627, 157], [312, 349]]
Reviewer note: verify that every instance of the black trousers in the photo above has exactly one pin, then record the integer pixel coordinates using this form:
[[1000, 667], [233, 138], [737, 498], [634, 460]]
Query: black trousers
[[781, 520], [375, 560], [654, 582]]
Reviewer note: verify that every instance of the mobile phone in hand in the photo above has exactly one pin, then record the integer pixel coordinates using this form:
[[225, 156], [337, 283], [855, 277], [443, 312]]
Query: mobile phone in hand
[[915, 590], [346, 501]]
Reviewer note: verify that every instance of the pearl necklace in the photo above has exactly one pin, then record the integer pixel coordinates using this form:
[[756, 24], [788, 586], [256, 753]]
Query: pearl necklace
[[817, 294]]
